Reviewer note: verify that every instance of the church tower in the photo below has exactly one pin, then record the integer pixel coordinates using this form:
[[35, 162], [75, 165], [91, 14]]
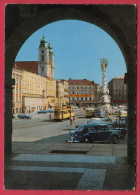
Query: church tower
[[46, 61]]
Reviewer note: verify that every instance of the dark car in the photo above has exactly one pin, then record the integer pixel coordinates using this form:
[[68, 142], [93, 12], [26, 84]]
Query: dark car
[[124, 131], [96, 132], [24, 116]]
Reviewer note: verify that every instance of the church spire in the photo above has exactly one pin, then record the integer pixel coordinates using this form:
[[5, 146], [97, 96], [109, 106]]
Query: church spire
[[43, 42]]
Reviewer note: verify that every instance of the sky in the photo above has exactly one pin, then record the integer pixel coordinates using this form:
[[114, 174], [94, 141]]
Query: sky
[[78, 47]]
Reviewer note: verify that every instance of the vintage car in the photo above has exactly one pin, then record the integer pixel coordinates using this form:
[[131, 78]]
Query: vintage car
[[102, 132], [23, 116]]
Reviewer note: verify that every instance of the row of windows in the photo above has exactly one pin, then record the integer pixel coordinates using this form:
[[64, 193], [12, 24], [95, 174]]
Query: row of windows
[[81, 98], [81, 92], [119, 88], [81, 87]]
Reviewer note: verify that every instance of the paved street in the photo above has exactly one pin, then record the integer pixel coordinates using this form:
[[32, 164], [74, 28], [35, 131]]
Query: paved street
[[43, 136], [41, 156], [41, 130], [37, 129]]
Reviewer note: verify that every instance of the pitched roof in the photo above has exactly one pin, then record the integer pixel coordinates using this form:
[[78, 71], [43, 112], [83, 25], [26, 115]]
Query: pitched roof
[[80, 82], [31, 66]]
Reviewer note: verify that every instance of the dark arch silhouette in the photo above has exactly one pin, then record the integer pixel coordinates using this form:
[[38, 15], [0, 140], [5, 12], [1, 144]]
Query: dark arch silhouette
[[117, 20]]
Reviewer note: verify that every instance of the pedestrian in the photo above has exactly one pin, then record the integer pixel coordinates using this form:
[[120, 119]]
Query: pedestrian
[[71, 121], [74, 120]]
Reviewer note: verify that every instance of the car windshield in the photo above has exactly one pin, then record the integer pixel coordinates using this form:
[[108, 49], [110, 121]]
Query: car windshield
[[80, 128], [104, 127], [110, 126]]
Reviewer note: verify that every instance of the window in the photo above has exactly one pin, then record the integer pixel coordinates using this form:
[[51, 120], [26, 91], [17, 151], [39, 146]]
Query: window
[[90, 129], [85, 130]]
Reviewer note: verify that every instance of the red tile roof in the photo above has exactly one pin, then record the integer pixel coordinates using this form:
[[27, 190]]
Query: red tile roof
[[31, 66], [80, 82]]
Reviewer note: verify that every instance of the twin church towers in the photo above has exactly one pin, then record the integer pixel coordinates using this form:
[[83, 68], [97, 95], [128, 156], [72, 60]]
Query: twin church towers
[[46, 59]]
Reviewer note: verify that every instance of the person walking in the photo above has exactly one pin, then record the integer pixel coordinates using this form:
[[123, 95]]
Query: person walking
[[71, 121]]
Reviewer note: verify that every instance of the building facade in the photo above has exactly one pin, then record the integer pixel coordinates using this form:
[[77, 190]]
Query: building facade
[[66, 91], [118, 91], [17, 91], [51, 93], [33, 92], [62, 93], [82, 92], [35, 87], [29, 92]]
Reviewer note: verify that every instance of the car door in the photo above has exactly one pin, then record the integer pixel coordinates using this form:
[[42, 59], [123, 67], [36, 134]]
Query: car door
[[103, 133], [91, 133], [106, 133], [83, 133], [99, 133]]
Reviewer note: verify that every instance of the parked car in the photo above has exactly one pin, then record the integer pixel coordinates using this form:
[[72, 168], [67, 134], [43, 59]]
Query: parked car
[[24, 116], [99, 120], [124, 131], [102, 132], [44, 111]]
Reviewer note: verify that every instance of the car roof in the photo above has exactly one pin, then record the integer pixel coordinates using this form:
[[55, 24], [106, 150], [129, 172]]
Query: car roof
[[98, 123]]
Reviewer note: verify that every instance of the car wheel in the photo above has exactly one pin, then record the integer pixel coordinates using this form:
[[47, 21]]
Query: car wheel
[[115, 140], [86, 140]]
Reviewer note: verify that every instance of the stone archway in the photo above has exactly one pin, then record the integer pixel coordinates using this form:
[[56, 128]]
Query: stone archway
[[26, 19]]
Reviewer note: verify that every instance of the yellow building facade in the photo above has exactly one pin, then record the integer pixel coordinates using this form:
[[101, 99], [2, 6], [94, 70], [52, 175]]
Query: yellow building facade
[[62, 92], [33, 92], [51, 93]]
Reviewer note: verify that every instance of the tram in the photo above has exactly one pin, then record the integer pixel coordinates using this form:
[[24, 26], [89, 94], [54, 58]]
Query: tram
[[64, 112]]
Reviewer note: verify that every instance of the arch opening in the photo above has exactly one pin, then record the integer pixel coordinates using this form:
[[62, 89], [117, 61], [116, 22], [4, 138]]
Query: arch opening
[[74, 52]]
